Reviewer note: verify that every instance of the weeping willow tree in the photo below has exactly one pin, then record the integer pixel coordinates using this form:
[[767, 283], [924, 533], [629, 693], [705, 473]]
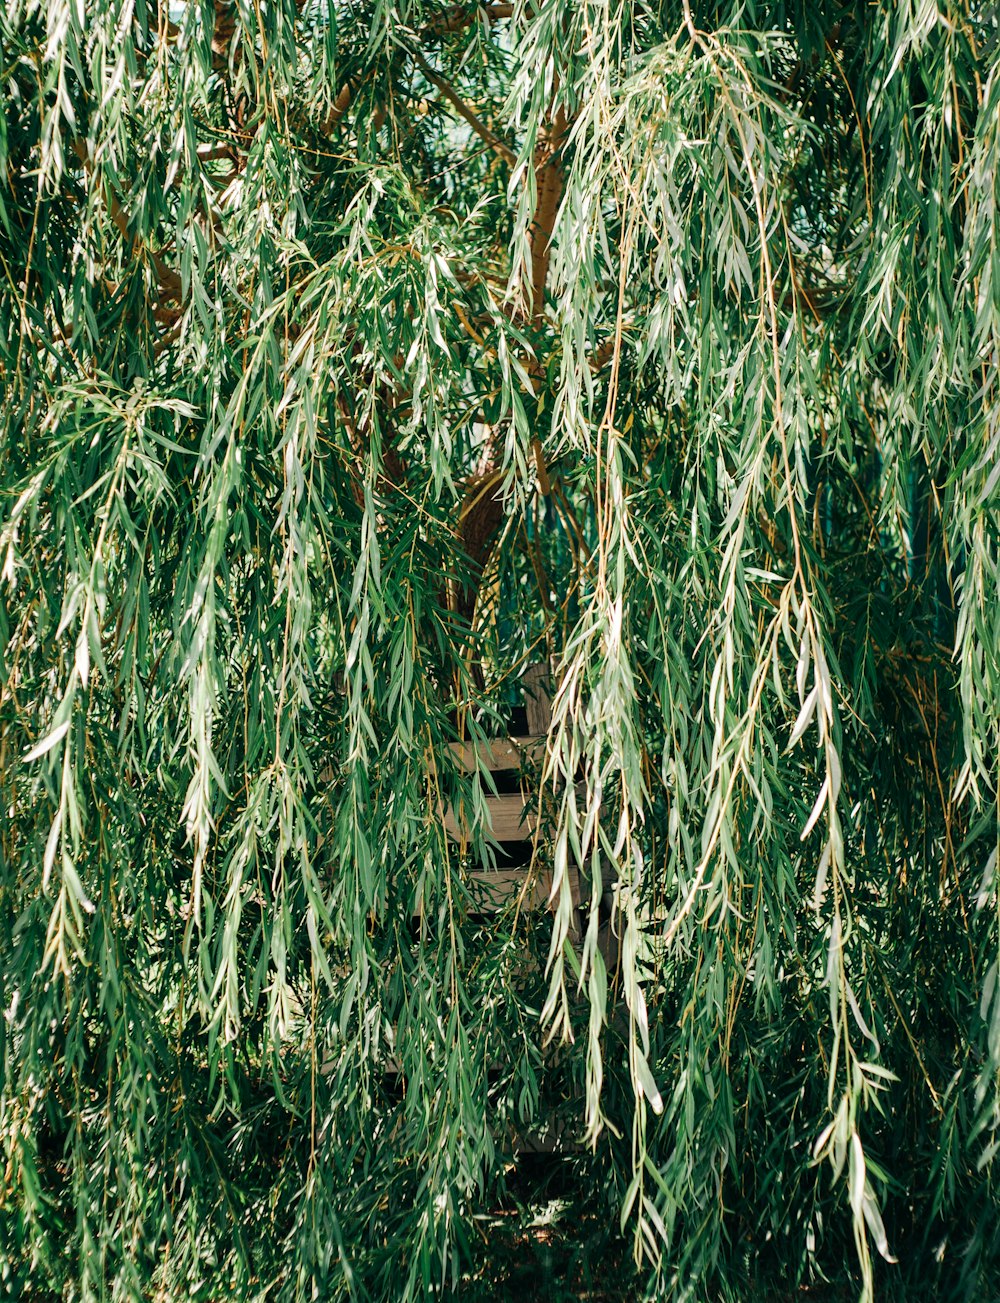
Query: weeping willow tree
[[356, 356]]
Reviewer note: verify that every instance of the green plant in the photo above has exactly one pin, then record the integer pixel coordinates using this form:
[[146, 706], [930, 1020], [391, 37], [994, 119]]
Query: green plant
[[357, 355]]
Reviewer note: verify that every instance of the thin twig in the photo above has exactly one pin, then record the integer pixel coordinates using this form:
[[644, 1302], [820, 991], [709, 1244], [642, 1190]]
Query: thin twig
[[463, 110]]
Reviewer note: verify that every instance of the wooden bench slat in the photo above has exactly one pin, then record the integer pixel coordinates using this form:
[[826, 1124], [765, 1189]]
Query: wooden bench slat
[[495, 752], [492, 889], [536, 698], [510, 819]]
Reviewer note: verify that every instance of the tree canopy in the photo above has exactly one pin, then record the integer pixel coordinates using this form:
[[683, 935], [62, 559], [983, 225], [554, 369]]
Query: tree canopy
[[355, 356]]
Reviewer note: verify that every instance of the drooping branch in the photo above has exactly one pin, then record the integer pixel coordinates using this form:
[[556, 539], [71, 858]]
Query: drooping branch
[[463, 110], [168, 281]]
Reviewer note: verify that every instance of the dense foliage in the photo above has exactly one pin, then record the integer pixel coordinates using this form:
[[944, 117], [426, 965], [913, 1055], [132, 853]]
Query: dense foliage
[[354, 356]]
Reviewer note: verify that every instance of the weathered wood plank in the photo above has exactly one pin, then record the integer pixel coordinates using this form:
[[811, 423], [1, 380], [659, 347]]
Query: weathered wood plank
[[496, 752], [492, 889], [510, 819], [555, 1138], [536, 698]]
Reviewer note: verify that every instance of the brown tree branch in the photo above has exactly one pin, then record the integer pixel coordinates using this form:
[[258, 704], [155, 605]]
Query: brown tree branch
[[168, 280], [549, 186], [340, 105], [460, 16], [222, 33], [463, 110], [482, 509]]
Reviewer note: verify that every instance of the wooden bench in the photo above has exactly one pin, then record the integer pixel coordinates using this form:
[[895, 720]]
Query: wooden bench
[[513, 816]]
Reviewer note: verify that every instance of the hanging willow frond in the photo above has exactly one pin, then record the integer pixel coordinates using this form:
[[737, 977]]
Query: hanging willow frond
[[366, 367]]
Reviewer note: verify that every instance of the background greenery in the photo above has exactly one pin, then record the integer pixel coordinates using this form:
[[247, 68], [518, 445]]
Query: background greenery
[[354, 356]]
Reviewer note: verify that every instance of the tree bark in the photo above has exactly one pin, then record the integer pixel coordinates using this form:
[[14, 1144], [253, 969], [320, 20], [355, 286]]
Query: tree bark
[[482, 508]]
